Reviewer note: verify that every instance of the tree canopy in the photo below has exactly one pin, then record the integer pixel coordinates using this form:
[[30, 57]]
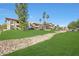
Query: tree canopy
[[73, 24], [22, 12]]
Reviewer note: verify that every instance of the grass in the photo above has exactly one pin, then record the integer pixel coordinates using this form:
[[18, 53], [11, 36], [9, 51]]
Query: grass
[[16, 34], [64, 44]]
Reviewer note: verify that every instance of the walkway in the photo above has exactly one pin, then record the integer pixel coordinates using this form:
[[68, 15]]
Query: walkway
[[8, 46]]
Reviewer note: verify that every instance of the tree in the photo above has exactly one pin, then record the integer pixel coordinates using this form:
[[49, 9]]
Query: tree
[[77, 23], [72, 25], [45, 17], [57, 27], [0, 27], [40, 20], [4, 26], [23, 25], [22, 12]]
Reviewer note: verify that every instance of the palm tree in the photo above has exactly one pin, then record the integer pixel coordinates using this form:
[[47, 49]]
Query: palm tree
[[45, 17], [40, 20]]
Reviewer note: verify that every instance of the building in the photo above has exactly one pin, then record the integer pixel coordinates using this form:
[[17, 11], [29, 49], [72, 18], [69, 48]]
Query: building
[[12, 23], [37, 26]]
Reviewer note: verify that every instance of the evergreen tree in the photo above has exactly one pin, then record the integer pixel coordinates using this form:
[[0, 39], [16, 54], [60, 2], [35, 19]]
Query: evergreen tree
[[22, 12]]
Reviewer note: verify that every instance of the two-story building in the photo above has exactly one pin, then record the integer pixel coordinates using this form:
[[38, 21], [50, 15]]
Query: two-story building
[[12, 23]]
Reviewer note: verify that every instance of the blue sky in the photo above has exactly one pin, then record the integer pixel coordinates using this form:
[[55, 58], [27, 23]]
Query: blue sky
[[61, 14]]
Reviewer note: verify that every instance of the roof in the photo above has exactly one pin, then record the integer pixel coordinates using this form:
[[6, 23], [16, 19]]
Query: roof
[[10, 19]]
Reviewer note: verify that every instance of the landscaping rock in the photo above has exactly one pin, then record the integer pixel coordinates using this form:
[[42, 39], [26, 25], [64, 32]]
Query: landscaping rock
[[9, 46]]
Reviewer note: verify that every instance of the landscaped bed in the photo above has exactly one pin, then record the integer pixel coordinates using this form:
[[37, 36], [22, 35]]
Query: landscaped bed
[[66, 44], [16, 34]]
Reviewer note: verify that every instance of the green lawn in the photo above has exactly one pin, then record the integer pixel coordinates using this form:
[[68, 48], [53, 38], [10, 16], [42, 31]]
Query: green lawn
[[14, 34], [64, 44]]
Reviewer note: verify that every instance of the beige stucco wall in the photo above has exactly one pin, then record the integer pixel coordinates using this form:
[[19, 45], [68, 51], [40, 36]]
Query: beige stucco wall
[[9, 24]]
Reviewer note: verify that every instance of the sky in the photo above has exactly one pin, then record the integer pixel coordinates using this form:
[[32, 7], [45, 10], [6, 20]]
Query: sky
[[60, 14]]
